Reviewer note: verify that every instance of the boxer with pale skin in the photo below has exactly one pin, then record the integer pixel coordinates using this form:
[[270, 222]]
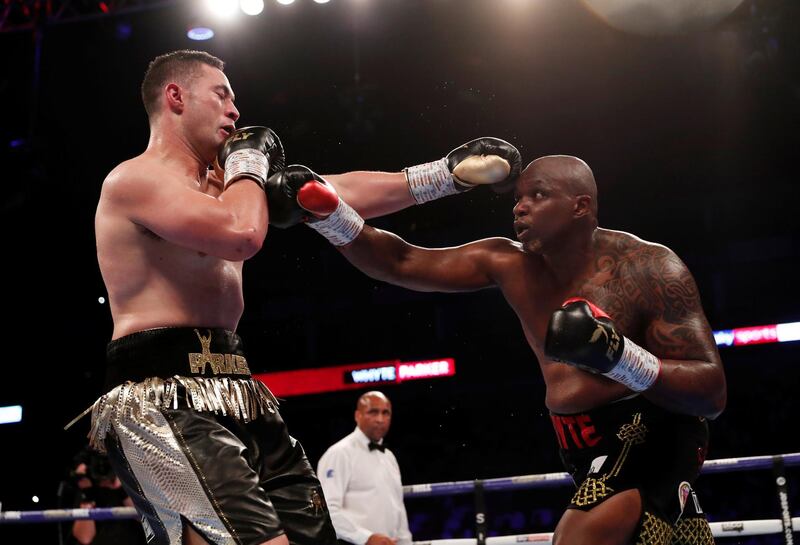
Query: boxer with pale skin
[[198, 444]]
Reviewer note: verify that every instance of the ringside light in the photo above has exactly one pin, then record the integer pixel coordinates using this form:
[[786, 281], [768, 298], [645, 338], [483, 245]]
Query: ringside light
[[200, 33], [252, 7], [223, 8], [11, 414]]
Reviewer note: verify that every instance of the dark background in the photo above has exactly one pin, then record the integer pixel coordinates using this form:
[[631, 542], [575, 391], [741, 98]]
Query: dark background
[[693, 140]]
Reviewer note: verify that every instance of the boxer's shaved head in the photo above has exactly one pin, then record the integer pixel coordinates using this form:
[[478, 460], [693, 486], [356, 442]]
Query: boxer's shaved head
[[572, 172]]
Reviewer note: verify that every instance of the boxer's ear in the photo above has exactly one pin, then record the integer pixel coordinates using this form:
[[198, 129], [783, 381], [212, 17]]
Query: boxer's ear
[[583, 205], [174, 97]]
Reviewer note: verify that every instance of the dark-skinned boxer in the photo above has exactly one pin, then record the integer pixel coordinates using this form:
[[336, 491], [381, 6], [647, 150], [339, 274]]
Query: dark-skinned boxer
[[630, 365]]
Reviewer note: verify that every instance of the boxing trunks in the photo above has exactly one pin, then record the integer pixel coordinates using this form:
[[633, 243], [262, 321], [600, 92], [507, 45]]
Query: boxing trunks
[[633, 444], [196, 440]]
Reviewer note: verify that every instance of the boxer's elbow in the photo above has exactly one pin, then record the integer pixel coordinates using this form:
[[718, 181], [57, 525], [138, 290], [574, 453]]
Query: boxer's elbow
[[246, 234], [716, 397], [719, 404], [402, 267], [249, 243], [242, 244]]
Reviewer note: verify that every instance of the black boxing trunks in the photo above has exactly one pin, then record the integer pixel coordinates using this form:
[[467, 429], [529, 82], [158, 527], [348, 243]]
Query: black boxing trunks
[[197, 441], [633, 444]]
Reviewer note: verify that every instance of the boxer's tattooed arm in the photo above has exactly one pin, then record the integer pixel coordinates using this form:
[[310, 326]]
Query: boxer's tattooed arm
[[676, 326], [653, 299]]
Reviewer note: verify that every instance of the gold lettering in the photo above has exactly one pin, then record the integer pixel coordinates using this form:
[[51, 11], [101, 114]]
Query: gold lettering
[[197, 364], [219, 363], [241, 366], [241, 136]]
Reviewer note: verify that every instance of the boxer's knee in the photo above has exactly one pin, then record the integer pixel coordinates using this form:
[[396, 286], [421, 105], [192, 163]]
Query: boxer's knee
[[280, 540], [612, 522]]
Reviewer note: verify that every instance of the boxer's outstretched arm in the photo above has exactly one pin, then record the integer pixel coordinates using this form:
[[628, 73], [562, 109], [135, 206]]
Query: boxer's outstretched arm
[[387, 257], [692, 377], [298, 194], [373, 194], [485, 160]]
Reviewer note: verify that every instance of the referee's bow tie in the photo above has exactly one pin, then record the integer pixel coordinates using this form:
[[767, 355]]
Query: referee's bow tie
[[376, 446]]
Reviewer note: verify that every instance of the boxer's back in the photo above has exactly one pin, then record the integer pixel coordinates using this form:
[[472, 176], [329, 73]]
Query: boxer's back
[[152, 282]]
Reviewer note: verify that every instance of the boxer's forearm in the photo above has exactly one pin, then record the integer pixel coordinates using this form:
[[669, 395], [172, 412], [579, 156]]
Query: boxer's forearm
[[383, 256], [387, 257], [690, 387], [373, 194]]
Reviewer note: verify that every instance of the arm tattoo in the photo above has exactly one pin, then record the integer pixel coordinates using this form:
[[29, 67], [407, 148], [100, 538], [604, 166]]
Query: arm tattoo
[[677, 327]]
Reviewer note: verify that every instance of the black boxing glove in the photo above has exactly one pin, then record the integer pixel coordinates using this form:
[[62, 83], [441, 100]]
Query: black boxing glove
[[581, 334], [250, 152], [482, 161], [297, 194]]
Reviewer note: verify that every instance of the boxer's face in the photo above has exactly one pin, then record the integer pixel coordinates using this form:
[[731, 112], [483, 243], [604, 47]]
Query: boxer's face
[[374, 417], [544, 208], [210, 112]]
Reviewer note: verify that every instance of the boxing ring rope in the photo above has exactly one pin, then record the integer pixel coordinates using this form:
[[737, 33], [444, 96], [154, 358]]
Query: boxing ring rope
[[546, 480], [785, 525]]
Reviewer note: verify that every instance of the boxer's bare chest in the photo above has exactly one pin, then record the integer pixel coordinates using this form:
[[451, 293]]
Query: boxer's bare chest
[[189, 271], [615, 280]]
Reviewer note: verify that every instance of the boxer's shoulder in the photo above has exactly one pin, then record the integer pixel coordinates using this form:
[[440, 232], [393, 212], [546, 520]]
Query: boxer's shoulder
[[507, 261], [617, 247], [499, 250], [130, 174], [137, 178]]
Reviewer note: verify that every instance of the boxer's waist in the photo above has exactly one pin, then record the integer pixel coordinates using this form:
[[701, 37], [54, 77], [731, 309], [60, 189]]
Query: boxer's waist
[[170, 351], [588, 429]]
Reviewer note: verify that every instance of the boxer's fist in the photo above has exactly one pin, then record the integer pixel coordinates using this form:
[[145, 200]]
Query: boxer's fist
[[296, 194], [581, 334], [482, 161], [250, 152]]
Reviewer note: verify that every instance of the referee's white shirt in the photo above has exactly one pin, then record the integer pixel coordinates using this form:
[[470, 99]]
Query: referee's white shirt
[[363, 491]]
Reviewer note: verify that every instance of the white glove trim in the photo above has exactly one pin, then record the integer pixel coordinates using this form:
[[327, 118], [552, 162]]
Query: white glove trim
[[246, 163], [637, 368], [341, 227], [430, 181]]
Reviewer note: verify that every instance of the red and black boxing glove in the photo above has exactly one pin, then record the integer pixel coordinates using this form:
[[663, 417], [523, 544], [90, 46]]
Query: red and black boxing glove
[[583, 335], [297, 194]]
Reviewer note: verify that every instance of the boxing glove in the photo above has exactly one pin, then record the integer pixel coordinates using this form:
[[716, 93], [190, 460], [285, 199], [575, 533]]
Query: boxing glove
[[482, 161], [581, 334], [297, 194], [250, 152]]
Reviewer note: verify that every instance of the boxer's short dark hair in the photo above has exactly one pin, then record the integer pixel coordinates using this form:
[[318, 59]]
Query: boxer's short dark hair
[[182, 66]]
